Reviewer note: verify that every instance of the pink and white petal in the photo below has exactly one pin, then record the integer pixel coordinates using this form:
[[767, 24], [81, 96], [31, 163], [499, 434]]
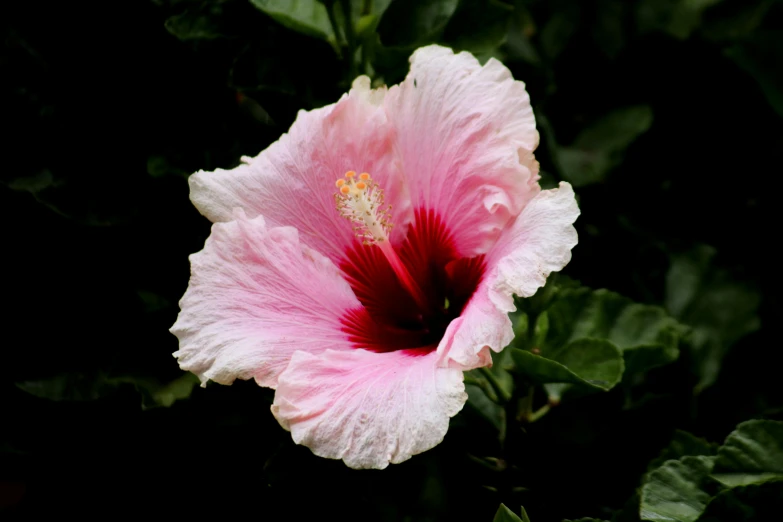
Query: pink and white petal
[[368, 409], [537, 243], [466, 134], [257, 295], [480, 328], [291, 183]]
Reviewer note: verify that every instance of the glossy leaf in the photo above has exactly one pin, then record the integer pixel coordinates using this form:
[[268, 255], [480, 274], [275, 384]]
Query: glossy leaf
[[683, 444], [595, 363], [305, 16], [678, 490], [752, 453], [645, 334]]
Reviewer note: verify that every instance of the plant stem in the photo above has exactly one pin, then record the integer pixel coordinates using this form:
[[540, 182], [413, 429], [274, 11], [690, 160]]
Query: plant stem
[[502, 394], [485, 387], [543, 410]]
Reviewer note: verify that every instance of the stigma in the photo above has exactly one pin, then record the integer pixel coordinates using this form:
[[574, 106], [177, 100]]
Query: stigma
[[360, 200]]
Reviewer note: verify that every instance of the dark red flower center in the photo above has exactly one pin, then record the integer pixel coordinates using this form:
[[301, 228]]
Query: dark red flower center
[[392, 319]]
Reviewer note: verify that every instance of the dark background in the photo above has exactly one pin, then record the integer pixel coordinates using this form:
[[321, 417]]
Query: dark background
[[107, 107]]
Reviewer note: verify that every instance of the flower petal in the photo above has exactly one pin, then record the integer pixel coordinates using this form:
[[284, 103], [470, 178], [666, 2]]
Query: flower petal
[[466, 135], [538, 242], [292, 182], [366, 408], [256, 295], [481, 328]]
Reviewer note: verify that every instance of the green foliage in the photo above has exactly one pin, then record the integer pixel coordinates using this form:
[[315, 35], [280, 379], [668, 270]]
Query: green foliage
[[412, 23], [506, 515], [599, 147], [719, 310], [679, 18], [69, 387], [199, 22], [80, 387], [683, 444], [590, 338], [752, 453], [595, 363], [678, 490], [706, 487], [752, 503], [479, 26], [308, 17], [759, 56]]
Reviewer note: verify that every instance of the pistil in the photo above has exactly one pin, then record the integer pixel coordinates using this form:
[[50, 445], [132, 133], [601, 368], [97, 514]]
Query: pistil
[[361, 201]]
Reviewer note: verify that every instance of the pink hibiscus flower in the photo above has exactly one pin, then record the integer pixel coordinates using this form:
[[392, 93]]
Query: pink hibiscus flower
[[362, 298]]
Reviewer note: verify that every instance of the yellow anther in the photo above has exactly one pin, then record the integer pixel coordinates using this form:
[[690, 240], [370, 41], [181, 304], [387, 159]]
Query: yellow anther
[[360, 200]]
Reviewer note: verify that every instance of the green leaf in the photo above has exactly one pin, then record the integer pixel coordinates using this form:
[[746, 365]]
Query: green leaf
[[742, 22], [719, 311], [305, 16], [683, 444], [82, 387], [595, 363], [201, 22], [478, 400], [608, 30], [159, 166], [600, 147], [156, 395], [752, 503], [478, 388], [479, 26], [412, 23], [761, 56], [70, 387], [506, 515], [752, 453], [678, 491], [645, 334], [519, 45], [35, 183], [559, 29], [620, 336], [678, 18]]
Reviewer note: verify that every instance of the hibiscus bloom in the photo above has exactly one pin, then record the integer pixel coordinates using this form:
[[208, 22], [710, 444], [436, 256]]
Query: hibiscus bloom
[[364, 261]]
